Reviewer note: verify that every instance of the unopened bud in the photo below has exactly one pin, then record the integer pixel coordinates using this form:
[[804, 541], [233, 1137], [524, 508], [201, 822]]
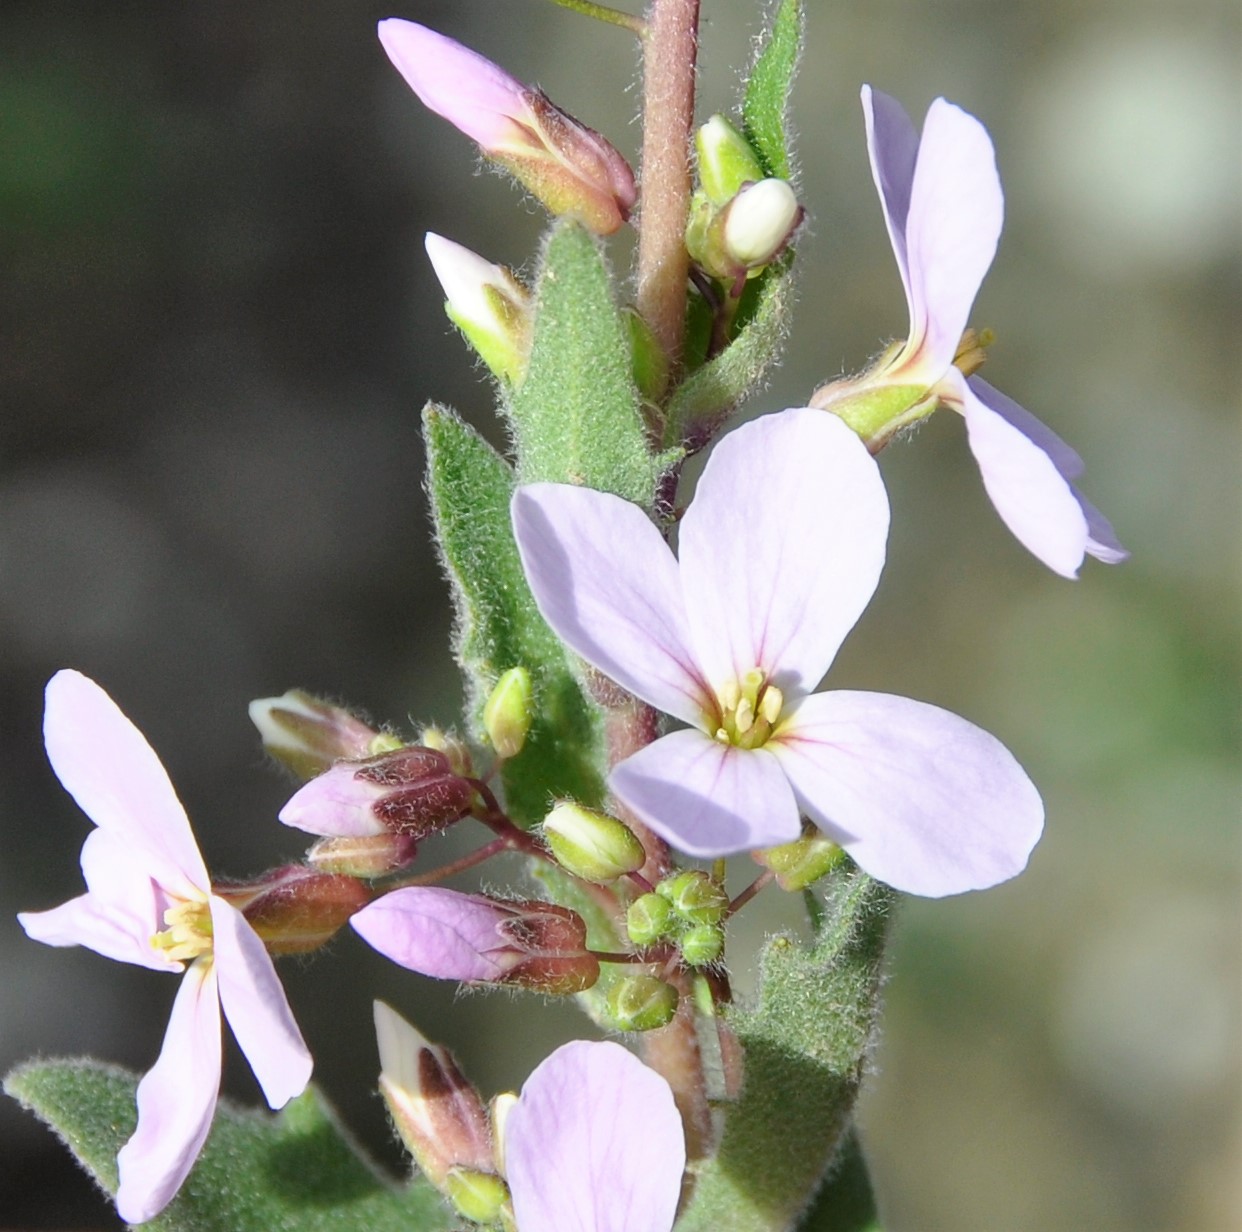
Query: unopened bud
[[486, 303], [479, 1196], [295, 909], [500, 1108], [802, 862], [438, 1114], [307, 735], [702, 944], [649, 918], [592, 845], [695, 897], [371, 855], [507, 715], [726, 160], [412, 791], [641, 1003], [759, 221], [452, 746]]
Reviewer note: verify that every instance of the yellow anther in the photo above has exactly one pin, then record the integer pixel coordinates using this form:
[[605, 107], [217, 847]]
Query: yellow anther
[[772, 704], [744, 716], [188, 935]]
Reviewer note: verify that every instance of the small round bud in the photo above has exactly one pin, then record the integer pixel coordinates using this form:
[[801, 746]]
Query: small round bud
[[641, 1003], [759, 222], [726, 160], [702, 944], [507, 715], [695, 897], [649, 919], [592, 845], [802, 862], [479, 1196]]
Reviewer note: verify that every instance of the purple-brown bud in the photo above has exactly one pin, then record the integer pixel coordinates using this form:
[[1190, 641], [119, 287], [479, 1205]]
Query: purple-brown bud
[[368, 855], [307, 735]]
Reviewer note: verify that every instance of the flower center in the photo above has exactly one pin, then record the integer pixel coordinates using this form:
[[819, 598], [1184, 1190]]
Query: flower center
[[749, 710], [188, 935]]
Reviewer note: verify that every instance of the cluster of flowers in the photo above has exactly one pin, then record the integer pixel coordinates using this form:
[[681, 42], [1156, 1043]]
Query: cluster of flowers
[[778, 555]]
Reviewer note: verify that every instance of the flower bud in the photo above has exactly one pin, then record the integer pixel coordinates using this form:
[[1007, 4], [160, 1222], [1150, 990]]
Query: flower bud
[[802, 862], [569, 167], [411, 791], [592, 845], [295, 909], [500, 1108], [370, 855], [475, 939], [758, 223], [507, 714], [649, 919], [702, 944], [695, 897], [438, 1114], [641, 1003], [726, 160], [487, 304], [452, 746], [307, 735], [479, 1196]]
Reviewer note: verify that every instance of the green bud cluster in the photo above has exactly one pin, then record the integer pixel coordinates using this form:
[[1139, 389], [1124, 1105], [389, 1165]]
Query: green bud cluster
[[687, 910]]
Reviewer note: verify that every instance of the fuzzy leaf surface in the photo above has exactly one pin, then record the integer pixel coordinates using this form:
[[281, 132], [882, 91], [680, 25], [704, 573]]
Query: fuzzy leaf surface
[[765, 106]]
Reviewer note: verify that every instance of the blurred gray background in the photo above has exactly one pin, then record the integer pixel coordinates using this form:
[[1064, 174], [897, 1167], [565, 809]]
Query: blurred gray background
[[217, 327]]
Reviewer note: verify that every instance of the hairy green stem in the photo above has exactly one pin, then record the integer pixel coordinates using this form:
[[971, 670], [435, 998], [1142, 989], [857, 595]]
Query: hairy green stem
[[601, 12]]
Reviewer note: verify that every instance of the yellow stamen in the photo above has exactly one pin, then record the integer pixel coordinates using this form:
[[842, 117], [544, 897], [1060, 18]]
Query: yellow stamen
[[188, 935]]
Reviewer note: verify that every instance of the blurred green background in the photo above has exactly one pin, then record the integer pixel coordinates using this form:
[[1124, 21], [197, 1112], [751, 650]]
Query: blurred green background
[[217, 327]]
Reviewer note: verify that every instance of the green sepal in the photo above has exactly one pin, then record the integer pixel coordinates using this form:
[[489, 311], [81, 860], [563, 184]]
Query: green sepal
[[765, 106], [716, 388], [845, 1201], [577, 417], [296, 1171], [805, 1042], [498, 625]]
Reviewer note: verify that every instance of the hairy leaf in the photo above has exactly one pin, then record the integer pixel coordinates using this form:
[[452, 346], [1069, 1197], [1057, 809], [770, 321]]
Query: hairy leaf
[[765, 108]]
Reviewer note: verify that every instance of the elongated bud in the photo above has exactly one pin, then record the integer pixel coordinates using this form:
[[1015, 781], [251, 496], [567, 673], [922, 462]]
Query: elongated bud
[[592, 845], [475, 939], [411, 791], [500, 1108], [649, 919], [642, 1003], [695, 897], [296, 909], [569, 167], [307, 735], [438, 1114], [487, 304], [507, 715], [371, 855], [726, 160], [802, 862], [758, 223]]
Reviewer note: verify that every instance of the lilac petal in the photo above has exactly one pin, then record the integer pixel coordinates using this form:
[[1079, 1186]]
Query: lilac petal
[[176, 1101], [1028, 491], [608, 584], [108, 767], [336, 804], [1064, 457], [438, 932], [594, 1144], [117, 918], [254, 1002], [468, 90], [893, 146], [782, 547], [954, 223], [1102, 541], [921, 799], [708, 798]]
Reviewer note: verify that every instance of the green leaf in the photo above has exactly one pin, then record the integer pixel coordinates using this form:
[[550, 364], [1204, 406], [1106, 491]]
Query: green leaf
[[765, 107], [576, 416], [805, 1042], [296, 1171], [498, 624], [715, 389], [845, 1201]]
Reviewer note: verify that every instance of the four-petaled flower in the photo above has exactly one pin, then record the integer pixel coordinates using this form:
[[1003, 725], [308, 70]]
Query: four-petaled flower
[[943, 206], [149, 902], [780, 551]]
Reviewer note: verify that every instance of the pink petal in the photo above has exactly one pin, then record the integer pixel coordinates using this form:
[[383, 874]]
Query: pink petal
[[594, 1144], [1028, 491], [608, 584], [176, 1101], [108, 767], [119, 916], [708, 798], [468, 90], [954, 223], [921, 799], [893, 146], [336, 804], [437, 932], [1064, 458], [1102, 541], [254, 1002], [782, 547]]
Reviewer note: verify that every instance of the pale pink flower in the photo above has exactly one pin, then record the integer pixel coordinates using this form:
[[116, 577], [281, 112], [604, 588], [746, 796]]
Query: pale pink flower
[[780, 552], [150, 902]]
